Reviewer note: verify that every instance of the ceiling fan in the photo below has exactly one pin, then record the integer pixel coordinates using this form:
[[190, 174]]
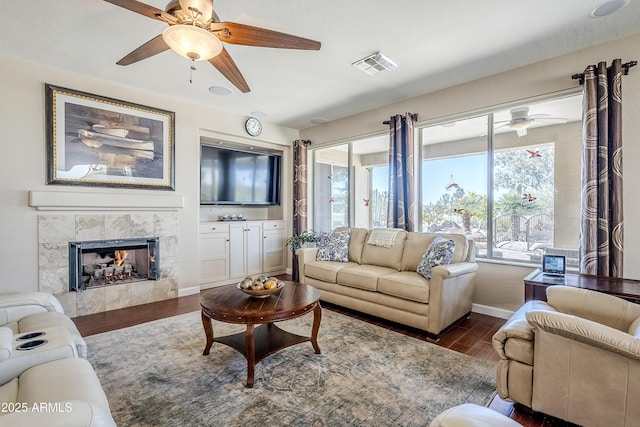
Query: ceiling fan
[[521, 120], [195, 32]]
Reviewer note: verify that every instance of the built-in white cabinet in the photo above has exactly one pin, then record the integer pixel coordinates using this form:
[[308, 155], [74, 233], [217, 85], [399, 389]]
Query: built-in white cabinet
[[245, 248], [274, 257], [213, 250], [229, 251]]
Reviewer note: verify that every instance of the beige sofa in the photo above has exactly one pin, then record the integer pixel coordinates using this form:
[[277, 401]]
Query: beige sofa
[[575, 357], [383, 282]]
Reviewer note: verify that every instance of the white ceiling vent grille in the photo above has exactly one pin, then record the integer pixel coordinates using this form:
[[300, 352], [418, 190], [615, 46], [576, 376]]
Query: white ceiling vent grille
[[375, 63]]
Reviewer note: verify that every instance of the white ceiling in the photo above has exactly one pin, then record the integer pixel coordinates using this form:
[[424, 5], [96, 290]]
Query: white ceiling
[[436, 44]]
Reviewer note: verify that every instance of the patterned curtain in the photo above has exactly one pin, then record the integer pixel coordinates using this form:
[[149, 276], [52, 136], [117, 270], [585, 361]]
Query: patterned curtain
[[402, 198], [299, 193], [601, 231]]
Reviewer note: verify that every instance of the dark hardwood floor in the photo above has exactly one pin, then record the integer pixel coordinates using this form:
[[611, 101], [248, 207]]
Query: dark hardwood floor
[[470, 336]]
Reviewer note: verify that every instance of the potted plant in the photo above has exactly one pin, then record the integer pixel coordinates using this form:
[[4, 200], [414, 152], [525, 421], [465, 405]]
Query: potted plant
[[300, 240]]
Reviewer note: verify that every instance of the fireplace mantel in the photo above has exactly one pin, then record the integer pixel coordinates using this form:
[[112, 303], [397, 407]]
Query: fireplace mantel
[[76, 200]]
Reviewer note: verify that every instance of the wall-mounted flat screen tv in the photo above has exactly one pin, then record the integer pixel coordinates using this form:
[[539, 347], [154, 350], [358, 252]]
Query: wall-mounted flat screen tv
[[236, 177]]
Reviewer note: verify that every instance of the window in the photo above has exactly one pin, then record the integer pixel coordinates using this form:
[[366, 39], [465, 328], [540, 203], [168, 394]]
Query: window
[[509, 179], [379, 196], [534, 200], [454, 178], [331, 188]]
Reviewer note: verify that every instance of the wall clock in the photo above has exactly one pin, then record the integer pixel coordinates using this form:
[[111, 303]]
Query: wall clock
[[253, 126]]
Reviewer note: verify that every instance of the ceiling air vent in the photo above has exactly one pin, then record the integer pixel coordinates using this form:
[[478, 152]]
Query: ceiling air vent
[[374, 63]]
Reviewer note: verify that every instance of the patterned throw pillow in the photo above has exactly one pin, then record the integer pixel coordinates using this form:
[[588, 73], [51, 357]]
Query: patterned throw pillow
[[439, 252], [334, 246]]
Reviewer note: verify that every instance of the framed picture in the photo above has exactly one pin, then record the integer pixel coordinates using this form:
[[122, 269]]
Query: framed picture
[[97, 141]]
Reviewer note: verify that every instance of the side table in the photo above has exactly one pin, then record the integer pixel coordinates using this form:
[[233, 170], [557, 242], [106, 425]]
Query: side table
[[536, 283]]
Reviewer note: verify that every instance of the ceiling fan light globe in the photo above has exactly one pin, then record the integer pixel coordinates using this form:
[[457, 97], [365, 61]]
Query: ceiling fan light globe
[[520, 124], [192, 42]]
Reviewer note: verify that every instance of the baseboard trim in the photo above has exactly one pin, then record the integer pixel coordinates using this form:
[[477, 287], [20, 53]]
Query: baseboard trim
[[500, 313], [183, 292]]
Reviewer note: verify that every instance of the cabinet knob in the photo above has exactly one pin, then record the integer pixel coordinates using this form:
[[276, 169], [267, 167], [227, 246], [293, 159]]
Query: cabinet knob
[[227, 240], [264, 237]]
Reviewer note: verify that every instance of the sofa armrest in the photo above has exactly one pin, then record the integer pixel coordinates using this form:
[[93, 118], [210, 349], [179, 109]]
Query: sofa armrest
[[453, 270], [450, 294], [596, 306], [517, 327], [586, 331], [305, 255], [15, 306]]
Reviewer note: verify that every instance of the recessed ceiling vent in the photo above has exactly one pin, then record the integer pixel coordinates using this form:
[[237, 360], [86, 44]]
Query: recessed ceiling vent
[[375, 63]]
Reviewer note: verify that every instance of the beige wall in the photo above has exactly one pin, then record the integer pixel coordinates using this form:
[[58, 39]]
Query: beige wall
[[499, 285], [22, 133], [24, 159]]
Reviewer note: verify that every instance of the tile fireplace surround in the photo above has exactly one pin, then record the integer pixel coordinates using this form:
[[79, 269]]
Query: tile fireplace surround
[[55, 231]]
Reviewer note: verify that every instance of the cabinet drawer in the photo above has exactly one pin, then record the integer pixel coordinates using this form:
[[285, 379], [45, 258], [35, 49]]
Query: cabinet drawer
[[273, 225], [213, 227]]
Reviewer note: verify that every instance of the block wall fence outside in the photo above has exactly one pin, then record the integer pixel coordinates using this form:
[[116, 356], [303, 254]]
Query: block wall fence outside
[[55, 231]]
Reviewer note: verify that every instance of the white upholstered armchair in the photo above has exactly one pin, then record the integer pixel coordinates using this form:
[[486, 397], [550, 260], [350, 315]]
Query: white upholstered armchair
[[575, 357]]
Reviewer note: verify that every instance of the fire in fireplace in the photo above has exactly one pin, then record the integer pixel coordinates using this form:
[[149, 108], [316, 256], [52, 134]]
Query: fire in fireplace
[[109, 262]]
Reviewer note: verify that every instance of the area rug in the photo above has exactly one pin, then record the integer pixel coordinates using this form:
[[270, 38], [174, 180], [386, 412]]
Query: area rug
[[154, 374]]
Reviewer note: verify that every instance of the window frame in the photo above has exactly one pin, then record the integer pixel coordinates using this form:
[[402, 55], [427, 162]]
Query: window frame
[[418, 144], [489, 112]]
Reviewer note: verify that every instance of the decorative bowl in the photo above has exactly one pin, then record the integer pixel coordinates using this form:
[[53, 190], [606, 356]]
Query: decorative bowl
[[262, 293]]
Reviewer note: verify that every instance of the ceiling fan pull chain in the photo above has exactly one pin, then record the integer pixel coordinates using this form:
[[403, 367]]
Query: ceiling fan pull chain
[[192, 68]]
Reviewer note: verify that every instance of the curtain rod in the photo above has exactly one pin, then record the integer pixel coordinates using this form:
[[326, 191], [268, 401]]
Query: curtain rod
[[625, 68]]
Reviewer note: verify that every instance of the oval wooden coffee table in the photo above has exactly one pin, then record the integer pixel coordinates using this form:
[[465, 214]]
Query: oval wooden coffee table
[[262, 337]]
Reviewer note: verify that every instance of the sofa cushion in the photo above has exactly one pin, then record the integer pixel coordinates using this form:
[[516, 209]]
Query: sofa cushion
[[356, 242], [334, 246], [9, 392], [61, 380], [362, 276], [440, 252], [326, 271], [417, 244], [386, 257], [405, 284]]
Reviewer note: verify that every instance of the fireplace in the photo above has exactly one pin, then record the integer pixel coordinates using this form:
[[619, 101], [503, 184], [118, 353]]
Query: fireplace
[[97, 263]]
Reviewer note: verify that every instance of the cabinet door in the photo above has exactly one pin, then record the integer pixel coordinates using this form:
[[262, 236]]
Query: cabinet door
[[214, 251], [273, 247], [236, 250], [253, 248]]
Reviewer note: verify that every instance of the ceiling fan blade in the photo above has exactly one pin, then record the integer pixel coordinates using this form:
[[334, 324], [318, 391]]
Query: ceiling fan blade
[[224, 63], [152, 47], [550, 119], [144, 9], [247, 35]]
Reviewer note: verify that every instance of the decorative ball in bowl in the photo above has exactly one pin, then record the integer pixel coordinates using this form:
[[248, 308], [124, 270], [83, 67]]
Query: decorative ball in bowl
[[260, 286]]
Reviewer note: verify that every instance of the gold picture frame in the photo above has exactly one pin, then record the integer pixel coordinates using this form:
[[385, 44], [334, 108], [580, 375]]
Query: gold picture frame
[[93, 140]]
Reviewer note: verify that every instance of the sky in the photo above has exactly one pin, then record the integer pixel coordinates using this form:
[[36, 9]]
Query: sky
[[469, 172]]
